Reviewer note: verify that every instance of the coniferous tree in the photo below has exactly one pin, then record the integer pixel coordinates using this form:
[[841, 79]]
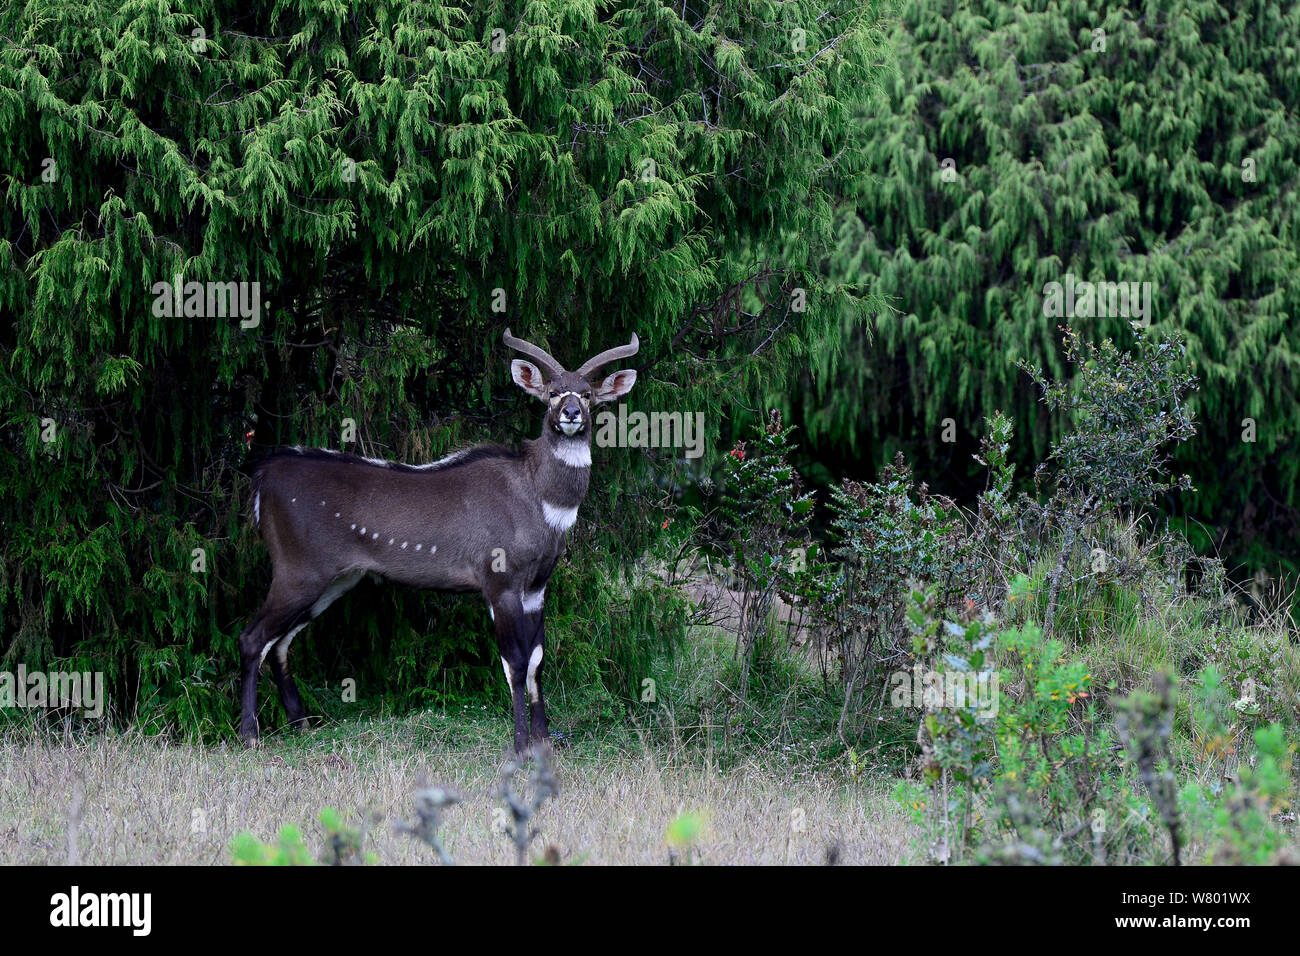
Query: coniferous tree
[[1024, 144], [386, 185]]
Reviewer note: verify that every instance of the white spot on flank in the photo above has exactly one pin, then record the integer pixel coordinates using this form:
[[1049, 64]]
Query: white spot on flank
[[534, 662], [432, 548], [390, 540], [336, 514], [403, 545], [375, 536], [418, 547], [322, 504], [533, 602], [292, 500], [575, 454], [353, 528], [363, 530], [561, 519]]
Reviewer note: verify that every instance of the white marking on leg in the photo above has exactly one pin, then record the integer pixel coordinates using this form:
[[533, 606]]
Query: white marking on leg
[[534, 662], [338, 587], [533, 602], [509, 682], [282, 647], [561, 519], [575, 454], [257, 508]]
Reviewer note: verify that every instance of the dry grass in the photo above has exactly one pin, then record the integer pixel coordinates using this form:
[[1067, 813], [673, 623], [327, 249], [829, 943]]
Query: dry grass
[[156, 801]]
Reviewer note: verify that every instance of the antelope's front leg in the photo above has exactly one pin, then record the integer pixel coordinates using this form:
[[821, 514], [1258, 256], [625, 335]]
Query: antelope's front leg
[[512, 644], [540, 728]]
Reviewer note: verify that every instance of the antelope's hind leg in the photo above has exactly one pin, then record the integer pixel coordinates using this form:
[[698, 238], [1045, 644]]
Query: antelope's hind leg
[[287, 611], [251, 643], [269, 628], [289, 696], [276, 624]]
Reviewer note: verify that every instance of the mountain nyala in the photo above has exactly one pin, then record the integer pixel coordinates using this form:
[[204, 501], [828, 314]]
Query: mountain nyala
[[485, 519]]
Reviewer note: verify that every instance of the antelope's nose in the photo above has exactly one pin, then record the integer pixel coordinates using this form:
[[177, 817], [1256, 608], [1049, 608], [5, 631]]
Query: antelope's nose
[[571, 411]]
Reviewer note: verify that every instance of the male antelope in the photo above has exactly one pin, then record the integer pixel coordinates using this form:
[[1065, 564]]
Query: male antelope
[[487, 519]]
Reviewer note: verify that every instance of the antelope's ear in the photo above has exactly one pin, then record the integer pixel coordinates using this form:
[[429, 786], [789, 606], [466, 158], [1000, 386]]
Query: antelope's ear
[[528, 377], [615, 385]]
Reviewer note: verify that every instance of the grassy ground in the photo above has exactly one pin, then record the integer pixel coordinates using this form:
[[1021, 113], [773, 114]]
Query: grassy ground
[[764, 771], [148, 800]]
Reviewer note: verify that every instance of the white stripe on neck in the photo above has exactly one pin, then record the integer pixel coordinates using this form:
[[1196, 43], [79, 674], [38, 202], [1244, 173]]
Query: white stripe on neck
[[561, 519], [574, 453], [533, 602]]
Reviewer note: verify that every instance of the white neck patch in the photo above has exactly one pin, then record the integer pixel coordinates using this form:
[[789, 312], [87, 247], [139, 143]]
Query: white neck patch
[[533, 602], [561, 519], [575, 454]]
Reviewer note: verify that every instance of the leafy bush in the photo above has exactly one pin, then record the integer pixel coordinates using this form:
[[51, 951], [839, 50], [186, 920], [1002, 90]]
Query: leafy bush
[[1126, 410], [884, 535], [344, 845], [763, 516], [1245, 778]]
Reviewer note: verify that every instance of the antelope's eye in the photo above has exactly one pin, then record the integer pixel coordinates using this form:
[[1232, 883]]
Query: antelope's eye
[[553, 394], [586, 396]]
